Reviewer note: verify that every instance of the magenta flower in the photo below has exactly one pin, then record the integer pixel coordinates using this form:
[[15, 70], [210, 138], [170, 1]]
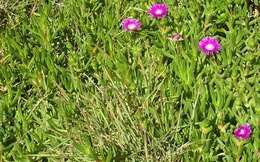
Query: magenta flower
[[243, 132], [130, 24], [209, 46], [158, 10]]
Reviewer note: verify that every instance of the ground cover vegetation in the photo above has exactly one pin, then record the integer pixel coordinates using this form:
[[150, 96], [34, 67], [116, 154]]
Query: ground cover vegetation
[[139, 80]]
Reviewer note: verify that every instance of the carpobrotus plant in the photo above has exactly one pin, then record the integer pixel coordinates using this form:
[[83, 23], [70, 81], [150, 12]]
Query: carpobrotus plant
[[131, 25], [158, 10], [209, 46]]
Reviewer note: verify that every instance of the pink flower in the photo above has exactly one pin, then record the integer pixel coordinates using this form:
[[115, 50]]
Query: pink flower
[[158, 10], [130, 24], [243, 132], [209, 46]]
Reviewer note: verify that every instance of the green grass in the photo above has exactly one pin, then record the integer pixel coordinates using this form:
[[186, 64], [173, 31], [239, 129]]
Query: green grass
[[75, 87]]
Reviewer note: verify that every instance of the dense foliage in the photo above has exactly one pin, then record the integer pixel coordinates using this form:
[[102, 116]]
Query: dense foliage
[[75, 87]]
